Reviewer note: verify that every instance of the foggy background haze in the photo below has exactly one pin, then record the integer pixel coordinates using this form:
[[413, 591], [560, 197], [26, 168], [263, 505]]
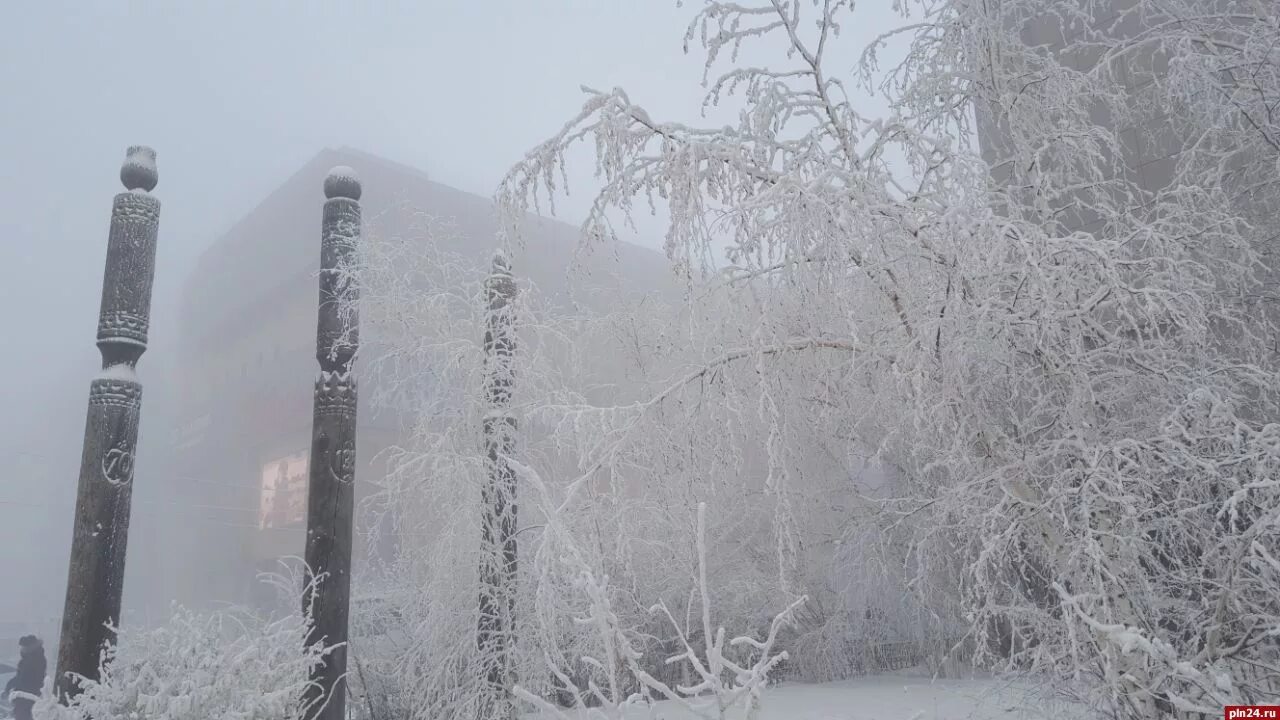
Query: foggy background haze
[[235, 97]]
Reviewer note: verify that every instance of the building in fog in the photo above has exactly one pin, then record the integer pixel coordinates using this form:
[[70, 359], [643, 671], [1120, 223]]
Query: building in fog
[[246, 364]]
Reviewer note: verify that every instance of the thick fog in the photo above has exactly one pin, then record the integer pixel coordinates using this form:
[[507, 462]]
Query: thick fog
[[911, 356], [235, 98]]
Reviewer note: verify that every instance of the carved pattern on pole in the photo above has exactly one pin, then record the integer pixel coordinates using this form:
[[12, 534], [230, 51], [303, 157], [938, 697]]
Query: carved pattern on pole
[[331, 473], [117, 465], [335, 394], [95, 574]]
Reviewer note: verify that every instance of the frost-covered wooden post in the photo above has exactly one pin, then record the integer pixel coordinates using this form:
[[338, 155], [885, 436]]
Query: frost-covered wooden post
[[331, 489], [95, 577], [495, 630]]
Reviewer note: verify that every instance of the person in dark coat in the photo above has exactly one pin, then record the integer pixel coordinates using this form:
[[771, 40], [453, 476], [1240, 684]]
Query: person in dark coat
[[30, 677]]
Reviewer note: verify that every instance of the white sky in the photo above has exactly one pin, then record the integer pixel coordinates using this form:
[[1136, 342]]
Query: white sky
[[235, 95]]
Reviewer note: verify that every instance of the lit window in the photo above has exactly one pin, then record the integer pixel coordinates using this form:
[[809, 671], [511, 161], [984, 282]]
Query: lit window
[[283, 500]]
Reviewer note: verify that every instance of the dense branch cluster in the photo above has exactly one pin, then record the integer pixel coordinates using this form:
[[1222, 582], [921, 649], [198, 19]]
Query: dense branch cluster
[[1067, 362]]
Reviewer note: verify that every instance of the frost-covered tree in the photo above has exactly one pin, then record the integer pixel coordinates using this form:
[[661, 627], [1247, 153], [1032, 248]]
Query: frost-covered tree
[[499, 558], [595, 402], [1069, 371], [447, 366]]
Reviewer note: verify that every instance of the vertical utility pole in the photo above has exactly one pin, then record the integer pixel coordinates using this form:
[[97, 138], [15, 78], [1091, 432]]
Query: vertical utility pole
[[95, 576], [331, 487], [495, 631]]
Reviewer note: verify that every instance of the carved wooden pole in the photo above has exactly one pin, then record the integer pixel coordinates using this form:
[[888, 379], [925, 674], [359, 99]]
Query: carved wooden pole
[[495, 632], [95, 577], [331, 489]]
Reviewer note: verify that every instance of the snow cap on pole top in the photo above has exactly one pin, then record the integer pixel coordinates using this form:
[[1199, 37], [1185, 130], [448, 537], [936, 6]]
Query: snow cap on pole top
[[342, 183], [139, 169]]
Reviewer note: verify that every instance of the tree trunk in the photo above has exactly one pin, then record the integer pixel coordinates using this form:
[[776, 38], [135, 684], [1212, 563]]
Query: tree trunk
[[495, 631]]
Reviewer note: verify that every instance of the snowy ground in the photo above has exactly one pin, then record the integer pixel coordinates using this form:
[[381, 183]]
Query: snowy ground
[[899, 697]]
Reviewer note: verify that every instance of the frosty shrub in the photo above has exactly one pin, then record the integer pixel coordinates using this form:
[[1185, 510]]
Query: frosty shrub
[[230, 665], [722, 679]]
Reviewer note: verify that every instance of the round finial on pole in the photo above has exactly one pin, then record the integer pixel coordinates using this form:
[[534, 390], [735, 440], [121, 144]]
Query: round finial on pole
[[139, 169], [342, 182]]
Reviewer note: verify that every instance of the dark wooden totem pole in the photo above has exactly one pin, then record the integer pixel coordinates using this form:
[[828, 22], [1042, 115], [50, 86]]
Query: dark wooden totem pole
[[495, 632], [331, 489], [95, 580]]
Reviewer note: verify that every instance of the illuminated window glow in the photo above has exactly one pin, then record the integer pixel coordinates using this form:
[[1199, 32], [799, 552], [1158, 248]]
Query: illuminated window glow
[[283, 500]]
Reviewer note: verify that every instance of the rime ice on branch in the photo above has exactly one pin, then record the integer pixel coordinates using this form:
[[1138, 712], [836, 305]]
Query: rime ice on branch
[[331, 490], [95, 577]]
